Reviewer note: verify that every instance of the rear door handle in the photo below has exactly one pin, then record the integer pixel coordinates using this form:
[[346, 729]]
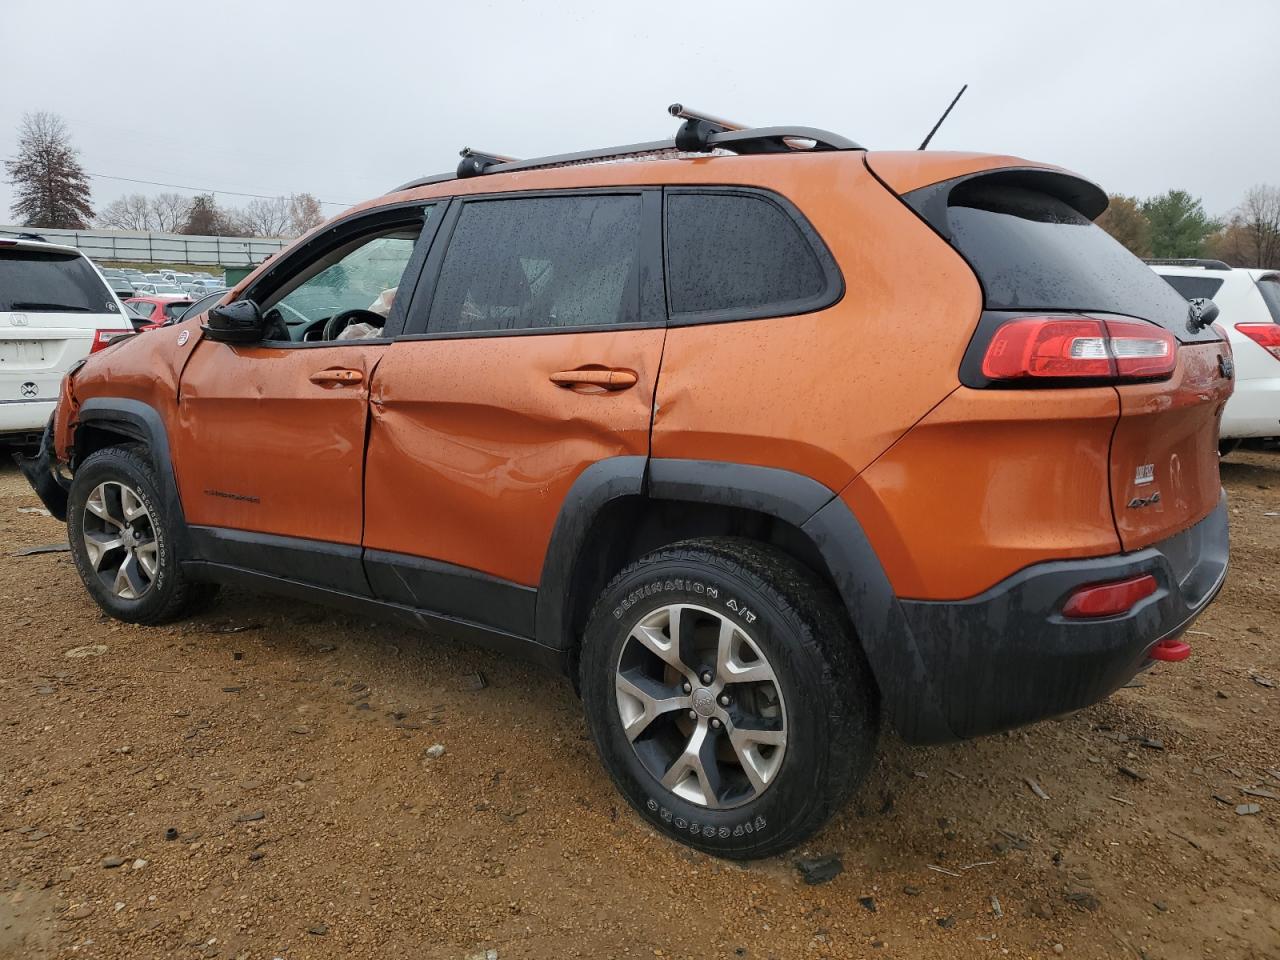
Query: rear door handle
[[337, 376], [609, 379]]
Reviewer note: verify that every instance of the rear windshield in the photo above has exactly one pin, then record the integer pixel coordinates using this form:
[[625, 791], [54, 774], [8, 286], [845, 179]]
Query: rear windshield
[[35, 281], [1032, 250], [176, 308], [1270, 289], [1192, 288]]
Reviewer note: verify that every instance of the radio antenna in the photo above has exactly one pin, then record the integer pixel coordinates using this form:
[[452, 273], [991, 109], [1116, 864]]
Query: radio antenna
[[945, 113]]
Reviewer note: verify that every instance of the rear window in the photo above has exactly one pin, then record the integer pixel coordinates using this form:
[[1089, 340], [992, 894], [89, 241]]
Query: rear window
[[740, 253], [1269, 287], [1193, 288], [176, 308], [1032, 250], [35, 281]]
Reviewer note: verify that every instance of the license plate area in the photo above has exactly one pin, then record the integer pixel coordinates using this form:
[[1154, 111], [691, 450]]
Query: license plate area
[[22, 352]]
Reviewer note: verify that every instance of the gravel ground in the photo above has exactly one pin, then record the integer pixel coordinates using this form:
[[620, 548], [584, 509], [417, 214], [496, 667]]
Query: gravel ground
[[287, 751]]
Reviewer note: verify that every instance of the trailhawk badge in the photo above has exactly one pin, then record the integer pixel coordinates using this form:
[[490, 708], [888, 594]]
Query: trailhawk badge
[[183, 337], [1144, 474]]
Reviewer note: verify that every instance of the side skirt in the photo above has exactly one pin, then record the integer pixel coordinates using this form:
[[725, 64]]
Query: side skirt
[[449, 626]]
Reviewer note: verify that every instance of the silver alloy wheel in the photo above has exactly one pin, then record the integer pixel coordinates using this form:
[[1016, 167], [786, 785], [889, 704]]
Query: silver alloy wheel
[[120, 540], [701, 706]]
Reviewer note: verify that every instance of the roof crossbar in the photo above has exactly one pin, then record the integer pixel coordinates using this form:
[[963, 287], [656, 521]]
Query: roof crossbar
[[700, 133], [1188, 262]]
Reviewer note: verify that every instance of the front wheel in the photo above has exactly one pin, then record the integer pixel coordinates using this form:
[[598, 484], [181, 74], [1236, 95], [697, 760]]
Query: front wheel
[[726, 696], [120, 540]]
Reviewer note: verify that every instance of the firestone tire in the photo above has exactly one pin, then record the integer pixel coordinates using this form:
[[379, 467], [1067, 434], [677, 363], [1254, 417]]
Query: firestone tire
[[726, 789], [121, 540]]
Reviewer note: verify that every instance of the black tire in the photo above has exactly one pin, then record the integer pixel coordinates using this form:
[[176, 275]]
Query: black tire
[[831, 713], [169, 594], [1227, 447]]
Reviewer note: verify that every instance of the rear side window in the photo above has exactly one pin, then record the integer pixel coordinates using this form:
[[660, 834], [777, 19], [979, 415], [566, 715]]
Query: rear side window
[[1269, 287], [741, 255], [1193, 288], [1032, 250], [175, 308], [531, 263], [34, 281]]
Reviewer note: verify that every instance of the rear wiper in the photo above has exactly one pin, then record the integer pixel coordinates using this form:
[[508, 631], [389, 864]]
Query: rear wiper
[[40, 305]]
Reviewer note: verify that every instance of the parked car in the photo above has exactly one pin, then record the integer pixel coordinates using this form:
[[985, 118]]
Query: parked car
[[159, 309], [168, 290], [112, 272], [122, 287], [143, 289], [55, 309], [139, 314], [1249, 301], [763, 449]]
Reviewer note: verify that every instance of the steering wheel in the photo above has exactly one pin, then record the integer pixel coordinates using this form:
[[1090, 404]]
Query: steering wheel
[[340, 321]]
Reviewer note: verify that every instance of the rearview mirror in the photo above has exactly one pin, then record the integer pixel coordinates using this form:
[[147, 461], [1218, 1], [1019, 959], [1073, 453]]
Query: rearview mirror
[[236, 322]]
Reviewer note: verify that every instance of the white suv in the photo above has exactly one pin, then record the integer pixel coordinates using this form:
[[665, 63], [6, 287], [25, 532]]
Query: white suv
[[1249, 301], [55, 309]]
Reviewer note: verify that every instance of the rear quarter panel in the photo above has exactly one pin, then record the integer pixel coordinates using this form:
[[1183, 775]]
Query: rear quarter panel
[[824, 393]]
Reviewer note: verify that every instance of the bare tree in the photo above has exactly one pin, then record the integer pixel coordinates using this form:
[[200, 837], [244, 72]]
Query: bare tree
[[169, 211], [304, 214], [131, 212], [52, 187], [1251, 237], [264, 218]]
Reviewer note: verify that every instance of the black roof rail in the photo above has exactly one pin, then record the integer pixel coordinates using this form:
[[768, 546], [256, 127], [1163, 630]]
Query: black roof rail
[[1187, 262], [700, 133]]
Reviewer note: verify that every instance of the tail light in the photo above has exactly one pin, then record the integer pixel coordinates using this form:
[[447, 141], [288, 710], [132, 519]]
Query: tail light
[[103, 338], [1109, 599], [1265, 335], [1057, 348]]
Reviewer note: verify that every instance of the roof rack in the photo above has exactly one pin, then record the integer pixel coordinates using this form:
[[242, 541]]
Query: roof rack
[[1188, 262], [700, 133]]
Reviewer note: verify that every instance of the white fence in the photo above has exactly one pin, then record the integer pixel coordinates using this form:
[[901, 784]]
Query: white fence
[[140, 246]]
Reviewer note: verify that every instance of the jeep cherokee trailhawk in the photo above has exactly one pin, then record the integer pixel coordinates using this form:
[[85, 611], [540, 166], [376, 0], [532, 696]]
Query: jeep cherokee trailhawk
[[762, 438]]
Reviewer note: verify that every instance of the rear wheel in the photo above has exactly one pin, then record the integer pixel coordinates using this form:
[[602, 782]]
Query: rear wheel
[[1227, 447], [726, 696], [120, 540]]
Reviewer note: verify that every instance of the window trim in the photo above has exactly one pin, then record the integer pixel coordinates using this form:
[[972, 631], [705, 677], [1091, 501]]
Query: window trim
[[831, 293], [652, 293], [335, 236]]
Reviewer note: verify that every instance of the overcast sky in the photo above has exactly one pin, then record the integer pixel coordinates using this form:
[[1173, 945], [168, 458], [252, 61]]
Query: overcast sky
[[347, 98]]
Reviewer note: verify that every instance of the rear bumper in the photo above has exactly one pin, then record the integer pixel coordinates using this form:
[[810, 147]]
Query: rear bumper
[[1008, 657], [41, 471], [22, 417]]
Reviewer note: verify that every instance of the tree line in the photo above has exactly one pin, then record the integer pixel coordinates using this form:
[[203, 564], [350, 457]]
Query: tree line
[[1174, 225], [51, 189]]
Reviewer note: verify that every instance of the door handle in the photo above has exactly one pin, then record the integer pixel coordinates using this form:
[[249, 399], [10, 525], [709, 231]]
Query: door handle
[[337, 376], [608, 379]]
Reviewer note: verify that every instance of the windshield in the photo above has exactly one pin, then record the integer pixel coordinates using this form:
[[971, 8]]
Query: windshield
[[43, 280]]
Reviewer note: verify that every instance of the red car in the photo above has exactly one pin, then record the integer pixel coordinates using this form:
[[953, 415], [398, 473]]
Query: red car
[[159, 309]]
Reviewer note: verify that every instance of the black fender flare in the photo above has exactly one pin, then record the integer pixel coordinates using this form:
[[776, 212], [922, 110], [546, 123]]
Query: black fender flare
[[877, 616], [140, 421]]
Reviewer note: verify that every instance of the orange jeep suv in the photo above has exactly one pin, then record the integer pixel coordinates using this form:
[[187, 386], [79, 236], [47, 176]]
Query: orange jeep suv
[[763, 439]]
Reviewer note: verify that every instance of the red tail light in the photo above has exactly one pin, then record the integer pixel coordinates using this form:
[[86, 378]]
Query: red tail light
[[102, 338], [1265, 335], [1039, 348], [1109, 599]]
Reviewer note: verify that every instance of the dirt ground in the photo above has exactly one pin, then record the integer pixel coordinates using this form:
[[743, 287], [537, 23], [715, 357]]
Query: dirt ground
[[284, 749]]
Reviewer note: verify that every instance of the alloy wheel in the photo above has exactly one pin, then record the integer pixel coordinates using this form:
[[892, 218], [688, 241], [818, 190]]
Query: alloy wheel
[[701, 706], [120, 540]]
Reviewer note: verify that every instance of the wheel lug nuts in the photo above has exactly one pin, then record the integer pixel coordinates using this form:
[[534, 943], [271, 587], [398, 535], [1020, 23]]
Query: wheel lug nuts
[[693, 714], [715, 722], [706, 679], [688, 687], [724, 699]]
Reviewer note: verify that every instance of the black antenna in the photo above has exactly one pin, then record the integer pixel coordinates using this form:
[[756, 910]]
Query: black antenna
[[945, 113]]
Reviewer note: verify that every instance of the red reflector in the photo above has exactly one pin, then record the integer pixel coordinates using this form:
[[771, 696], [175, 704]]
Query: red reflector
[[1109, 599], [1265, 335], [103, 338], [1079, 347], [1171, 651]]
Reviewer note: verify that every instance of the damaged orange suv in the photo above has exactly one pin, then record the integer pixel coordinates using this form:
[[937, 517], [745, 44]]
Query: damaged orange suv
[[763, 439]]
